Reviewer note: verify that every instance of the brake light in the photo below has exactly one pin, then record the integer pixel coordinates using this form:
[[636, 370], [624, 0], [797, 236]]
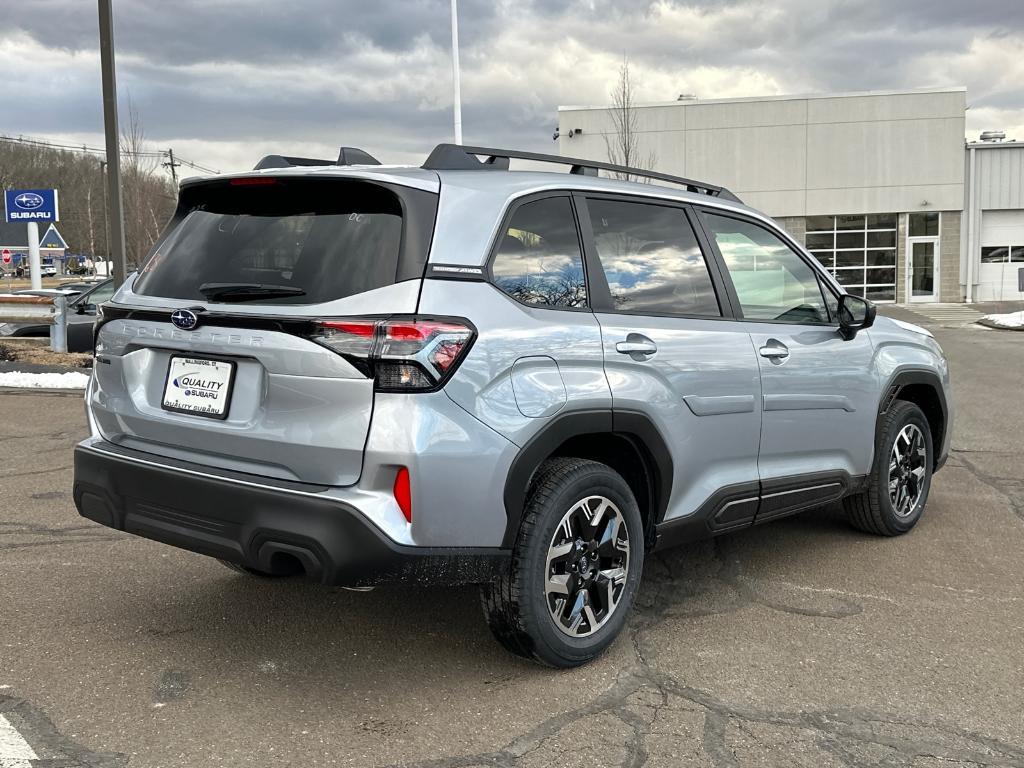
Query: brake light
[[403, 493], [401, 354], [252, 181]]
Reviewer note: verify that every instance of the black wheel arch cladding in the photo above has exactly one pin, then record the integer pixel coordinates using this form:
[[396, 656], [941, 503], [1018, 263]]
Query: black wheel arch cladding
[[924, 389], [635, 428]]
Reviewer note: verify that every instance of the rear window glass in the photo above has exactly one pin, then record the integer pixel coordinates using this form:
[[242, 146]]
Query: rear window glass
[[319, 240]]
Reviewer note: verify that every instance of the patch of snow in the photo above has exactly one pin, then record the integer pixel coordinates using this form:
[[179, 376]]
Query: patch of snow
[[69, 380], [1009, 320]]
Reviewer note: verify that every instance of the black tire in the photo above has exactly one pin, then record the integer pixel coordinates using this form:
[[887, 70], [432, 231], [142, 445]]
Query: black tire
[[516, 605], [247, 571], [873, 510]]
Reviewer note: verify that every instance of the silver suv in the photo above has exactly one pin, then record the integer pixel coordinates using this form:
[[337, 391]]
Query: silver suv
[[458, 373]]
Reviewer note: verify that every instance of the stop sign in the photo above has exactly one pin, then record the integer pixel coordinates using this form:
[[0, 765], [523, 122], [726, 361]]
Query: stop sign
[[7, 256]]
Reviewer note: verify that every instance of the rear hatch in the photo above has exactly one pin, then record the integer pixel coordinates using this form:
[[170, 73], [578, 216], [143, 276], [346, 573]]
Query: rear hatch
[[225, 350]]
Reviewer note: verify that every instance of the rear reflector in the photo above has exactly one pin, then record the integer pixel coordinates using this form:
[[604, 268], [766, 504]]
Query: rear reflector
[[403, 493], [401, 354]]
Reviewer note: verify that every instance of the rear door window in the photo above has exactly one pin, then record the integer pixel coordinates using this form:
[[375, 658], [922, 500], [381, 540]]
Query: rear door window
[[651, 259], [319, 240]]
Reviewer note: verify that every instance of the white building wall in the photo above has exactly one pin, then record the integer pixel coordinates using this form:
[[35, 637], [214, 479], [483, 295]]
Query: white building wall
[[994, 212], [806, 155]]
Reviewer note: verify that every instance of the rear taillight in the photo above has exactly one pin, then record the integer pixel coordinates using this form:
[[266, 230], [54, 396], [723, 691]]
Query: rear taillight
[[401, 354]]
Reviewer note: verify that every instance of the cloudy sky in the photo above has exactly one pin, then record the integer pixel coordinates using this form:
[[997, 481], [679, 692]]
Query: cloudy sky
[[226, 81]]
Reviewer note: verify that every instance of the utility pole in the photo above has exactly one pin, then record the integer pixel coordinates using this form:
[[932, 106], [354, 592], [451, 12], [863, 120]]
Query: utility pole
[[106, 218], [456, 77], [173, 167], [116, 208]]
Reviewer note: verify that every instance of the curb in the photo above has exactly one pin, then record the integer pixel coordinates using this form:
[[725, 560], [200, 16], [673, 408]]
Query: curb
[[997, 327], [16, 367]]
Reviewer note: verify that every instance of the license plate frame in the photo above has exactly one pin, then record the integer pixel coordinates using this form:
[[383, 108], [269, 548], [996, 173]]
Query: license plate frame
[[202, 361]]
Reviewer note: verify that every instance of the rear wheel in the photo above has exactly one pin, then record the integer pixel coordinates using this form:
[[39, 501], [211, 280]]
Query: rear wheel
[[575, 567], [901, 477]]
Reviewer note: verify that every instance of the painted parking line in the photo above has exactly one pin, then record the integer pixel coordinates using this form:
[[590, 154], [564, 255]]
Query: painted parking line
[[15, 752]]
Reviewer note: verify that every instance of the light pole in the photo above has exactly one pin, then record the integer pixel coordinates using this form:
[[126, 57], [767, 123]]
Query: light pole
[[115, 213], [456, 77]]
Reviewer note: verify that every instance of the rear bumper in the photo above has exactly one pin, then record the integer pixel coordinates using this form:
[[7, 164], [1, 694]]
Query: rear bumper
[[255, 523]]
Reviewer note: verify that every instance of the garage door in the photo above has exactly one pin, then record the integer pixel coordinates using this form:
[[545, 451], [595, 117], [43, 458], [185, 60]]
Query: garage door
[[1002, 255]]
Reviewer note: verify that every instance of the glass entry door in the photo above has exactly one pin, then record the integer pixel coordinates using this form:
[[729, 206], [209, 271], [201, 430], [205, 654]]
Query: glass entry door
[[922, 269]]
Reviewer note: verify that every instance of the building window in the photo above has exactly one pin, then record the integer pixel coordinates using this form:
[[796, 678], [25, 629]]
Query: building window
[[924, 225], [860, 251], [1001, 254]]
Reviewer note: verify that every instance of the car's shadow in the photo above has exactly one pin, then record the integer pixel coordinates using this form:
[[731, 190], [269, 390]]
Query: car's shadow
[[255, 627]]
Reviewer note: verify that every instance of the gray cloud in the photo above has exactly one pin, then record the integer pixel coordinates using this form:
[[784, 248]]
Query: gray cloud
[[229, 78]]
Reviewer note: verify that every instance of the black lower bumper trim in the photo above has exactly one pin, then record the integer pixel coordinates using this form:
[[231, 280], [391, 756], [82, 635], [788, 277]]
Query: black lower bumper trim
[[261, 527]]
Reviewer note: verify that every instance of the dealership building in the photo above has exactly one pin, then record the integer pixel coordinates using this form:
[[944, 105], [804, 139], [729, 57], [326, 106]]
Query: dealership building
[[880, 186]]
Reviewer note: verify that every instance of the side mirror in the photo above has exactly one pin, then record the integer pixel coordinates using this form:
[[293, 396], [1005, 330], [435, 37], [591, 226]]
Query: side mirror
[[85, 308], [855, 314]]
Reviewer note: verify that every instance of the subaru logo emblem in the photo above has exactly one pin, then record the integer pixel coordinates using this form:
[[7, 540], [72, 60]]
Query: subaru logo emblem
[[185, 319], [28, 201]]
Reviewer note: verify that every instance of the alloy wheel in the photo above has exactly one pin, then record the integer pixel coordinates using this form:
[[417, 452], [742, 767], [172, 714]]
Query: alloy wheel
[[587, 566], [907, 470]]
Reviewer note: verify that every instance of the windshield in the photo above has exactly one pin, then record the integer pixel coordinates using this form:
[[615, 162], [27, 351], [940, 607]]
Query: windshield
[[315, 241]]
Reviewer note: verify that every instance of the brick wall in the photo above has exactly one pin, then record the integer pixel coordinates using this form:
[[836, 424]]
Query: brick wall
[[901, 258], [949, 257], [796, 226]]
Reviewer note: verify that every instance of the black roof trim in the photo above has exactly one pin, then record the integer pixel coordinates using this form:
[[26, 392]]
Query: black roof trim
[[346, 156], [354, 156], [455, 157]]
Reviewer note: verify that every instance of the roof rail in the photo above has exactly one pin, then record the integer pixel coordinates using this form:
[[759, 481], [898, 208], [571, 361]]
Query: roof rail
[[346, 156], [455, 157]]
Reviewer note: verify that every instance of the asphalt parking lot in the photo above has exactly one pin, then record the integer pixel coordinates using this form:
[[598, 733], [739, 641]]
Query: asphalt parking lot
[[798, 643]]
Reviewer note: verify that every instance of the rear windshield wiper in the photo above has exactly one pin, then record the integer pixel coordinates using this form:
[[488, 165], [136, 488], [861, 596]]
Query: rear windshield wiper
[[247, 291]]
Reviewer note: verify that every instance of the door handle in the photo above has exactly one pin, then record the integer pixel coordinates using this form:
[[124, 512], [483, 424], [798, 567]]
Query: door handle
[[638, 345], [774, 350]]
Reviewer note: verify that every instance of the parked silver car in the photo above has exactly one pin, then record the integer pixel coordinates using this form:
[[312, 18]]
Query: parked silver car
[[459, 373]]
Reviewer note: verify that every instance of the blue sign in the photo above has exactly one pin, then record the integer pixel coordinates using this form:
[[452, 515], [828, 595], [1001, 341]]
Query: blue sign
[[25, 205]]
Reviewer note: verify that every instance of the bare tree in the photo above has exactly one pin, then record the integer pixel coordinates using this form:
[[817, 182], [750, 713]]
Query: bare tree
[[623, 143], [76, 175], [148, 196]]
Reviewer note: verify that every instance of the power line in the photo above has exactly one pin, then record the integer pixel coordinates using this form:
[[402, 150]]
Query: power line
[[85, 149]]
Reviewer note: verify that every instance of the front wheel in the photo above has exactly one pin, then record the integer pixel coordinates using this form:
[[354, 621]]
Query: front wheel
[[575, 569], [901, 477]]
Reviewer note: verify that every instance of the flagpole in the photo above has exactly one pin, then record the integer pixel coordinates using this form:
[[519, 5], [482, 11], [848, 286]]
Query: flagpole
[[456, 77]]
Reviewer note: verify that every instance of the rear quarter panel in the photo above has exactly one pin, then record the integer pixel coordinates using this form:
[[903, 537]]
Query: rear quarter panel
[[509, 332]]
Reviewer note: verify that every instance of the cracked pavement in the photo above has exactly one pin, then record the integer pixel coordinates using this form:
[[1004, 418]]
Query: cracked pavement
[[800, 643]]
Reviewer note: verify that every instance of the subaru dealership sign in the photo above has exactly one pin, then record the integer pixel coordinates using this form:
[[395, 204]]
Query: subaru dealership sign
[[25, 205]]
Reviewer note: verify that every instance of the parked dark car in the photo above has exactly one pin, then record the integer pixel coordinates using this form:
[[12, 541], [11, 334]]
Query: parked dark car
[[81, 314]]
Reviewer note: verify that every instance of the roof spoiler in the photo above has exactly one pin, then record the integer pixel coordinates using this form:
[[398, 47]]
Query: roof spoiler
[[346, 156], [455, 157]]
